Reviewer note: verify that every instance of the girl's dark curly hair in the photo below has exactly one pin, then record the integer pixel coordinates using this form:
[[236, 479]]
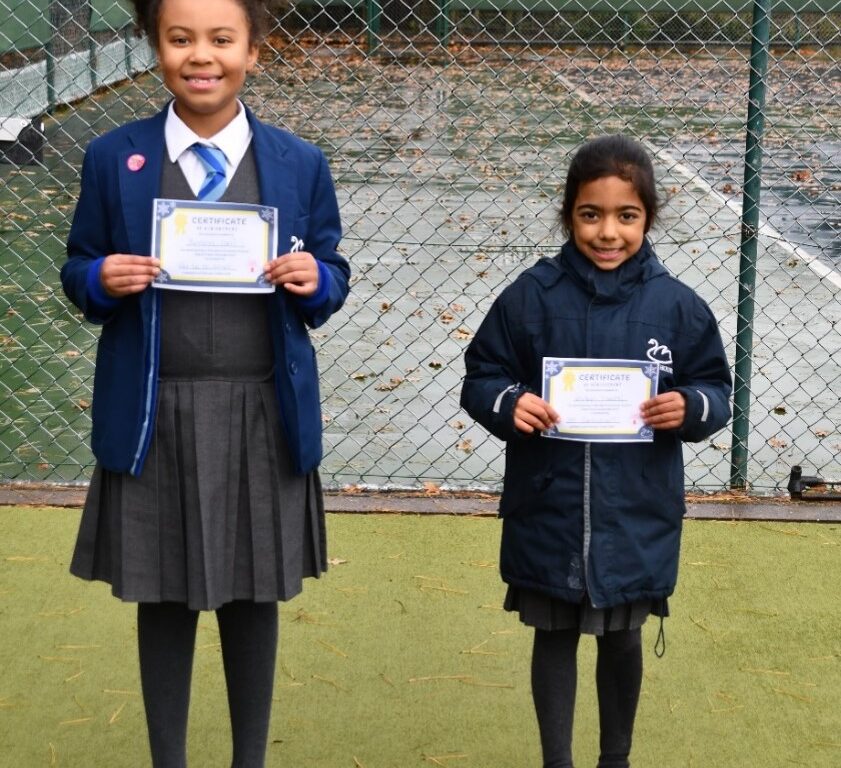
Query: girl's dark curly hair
[[148, 13], [617, 155]]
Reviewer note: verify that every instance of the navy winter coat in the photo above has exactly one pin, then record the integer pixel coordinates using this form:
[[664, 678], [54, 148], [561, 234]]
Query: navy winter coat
[[617, 536]]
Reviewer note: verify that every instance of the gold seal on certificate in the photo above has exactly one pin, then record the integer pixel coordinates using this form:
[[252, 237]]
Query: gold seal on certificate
[[599, 400], [218, 247]]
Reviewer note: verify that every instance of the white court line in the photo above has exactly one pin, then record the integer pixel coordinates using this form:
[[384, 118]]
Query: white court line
[[814, 263]]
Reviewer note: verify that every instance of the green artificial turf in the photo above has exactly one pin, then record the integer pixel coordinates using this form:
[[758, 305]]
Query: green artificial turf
[[400, 656]]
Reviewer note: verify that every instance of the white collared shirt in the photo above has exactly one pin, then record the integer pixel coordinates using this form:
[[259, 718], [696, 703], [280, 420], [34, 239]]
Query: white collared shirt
[[233, 140]]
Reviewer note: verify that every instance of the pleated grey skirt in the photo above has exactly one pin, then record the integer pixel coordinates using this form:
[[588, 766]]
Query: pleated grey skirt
[[545, 612], [217, 513]]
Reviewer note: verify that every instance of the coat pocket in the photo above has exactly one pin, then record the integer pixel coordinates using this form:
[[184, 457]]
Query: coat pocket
[[545, 491]]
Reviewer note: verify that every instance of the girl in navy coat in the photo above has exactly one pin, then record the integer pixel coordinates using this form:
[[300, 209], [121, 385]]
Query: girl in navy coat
[[591, 531], [206, 415]]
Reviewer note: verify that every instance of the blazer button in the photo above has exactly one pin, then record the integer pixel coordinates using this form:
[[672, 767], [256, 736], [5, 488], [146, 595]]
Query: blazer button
[[293, 366], [288, 326]]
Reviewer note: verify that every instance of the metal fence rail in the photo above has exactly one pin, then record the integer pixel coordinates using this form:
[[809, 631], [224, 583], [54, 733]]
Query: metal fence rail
[[448, 126]]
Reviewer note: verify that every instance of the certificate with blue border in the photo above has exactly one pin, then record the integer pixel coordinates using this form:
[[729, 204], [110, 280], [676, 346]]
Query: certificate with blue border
[[599, 400], [218, 247]]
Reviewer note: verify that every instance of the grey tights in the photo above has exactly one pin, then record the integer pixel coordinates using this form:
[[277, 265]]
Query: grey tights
[[166, 640], [618, 680]]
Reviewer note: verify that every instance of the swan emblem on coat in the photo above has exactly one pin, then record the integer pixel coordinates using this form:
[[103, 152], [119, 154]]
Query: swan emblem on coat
[[658, 353]]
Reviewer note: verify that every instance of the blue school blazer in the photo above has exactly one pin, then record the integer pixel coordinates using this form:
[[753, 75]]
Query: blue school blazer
[[114, 215]]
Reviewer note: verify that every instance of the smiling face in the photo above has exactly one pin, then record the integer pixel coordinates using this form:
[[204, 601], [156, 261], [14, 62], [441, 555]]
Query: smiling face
[[608, 221], [205, 52]]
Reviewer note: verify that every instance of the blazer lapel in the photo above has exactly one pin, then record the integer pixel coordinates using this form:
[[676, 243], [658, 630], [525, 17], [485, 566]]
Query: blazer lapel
[[277, 178], [146, 148]]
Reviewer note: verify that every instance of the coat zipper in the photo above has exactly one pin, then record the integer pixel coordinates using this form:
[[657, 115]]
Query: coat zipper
[[586, 497], [588, 529]]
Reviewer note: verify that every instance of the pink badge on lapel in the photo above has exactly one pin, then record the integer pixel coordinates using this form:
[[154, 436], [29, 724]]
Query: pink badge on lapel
[[136, 162]]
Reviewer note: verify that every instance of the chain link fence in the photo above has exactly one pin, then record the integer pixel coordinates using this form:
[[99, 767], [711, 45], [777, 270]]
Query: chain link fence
[[448, 126]]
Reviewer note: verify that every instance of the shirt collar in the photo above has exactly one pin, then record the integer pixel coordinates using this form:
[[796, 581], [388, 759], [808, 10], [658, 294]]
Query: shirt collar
[[233, 139]]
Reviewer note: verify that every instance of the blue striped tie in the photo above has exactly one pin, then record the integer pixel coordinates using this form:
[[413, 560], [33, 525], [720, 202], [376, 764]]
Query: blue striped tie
[[213, 160]]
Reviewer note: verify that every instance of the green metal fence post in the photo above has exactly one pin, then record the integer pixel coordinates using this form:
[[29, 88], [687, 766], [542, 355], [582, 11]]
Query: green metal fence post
[[443, 25], [626, 24], [760, 34], [93, 59], [127, 38], [373, 16], [49, 57]]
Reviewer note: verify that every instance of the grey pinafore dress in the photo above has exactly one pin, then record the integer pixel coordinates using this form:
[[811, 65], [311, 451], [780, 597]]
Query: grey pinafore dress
[[217, 513]]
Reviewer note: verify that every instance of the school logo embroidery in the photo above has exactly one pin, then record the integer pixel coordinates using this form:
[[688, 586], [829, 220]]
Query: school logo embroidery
[[660, 353]]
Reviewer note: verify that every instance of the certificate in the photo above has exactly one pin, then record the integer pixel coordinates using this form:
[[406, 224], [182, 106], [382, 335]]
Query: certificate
[[218, 247], [599, 400]]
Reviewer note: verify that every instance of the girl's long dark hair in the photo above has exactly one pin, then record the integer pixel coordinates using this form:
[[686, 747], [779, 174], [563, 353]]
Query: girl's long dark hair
[[616, 155]]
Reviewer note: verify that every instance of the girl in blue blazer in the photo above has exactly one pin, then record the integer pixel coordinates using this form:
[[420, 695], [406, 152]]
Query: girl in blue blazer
[[591, 530], [206, 414]]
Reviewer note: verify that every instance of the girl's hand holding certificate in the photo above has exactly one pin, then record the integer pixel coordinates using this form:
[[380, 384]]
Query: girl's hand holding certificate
[[123, 274], [296, 272], [532, 413], [666, 411]]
